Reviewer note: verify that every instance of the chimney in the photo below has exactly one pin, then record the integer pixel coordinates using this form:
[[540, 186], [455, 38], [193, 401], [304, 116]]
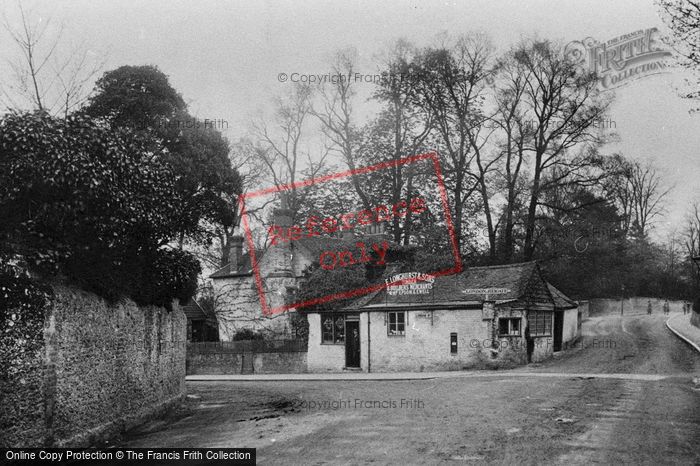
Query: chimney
[[235, 253], [347, 236], [281, 254], [377, 232], [282, 216]]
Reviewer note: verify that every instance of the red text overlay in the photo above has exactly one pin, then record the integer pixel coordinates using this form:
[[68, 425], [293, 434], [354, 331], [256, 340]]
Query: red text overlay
[[315, 226]]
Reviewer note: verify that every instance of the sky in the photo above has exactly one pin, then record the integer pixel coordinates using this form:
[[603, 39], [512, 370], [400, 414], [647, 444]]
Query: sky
[[225, 57]]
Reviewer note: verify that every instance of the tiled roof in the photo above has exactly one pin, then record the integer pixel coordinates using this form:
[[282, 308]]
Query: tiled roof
[[512, 277], [193, 311], [561, 301], [519, 284], [316, 245]]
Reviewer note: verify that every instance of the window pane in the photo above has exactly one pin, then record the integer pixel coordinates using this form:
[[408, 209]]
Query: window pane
[[396, 323], [502, 326], [326, 329], [340, 329], [542, 323], [515, 326], [327, 322]]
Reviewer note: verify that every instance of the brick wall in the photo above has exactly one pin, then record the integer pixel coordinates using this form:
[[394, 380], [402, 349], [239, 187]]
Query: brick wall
[[101, 368]]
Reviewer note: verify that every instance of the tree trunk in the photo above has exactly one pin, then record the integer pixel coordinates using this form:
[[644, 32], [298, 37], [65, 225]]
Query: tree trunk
[[532, 210]]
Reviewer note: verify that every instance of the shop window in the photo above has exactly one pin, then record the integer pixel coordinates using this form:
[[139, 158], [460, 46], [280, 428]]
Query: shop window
[[332, 329], [397, 323], [509, 326]]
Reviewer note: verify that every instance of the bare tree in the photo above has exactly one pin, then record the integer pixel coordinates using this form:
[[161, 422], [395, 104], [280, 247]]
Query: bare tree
[[451, 82], [335, 113], [403, 127], [282, 148], [692, 230], [683, 18], [48, 76], [616, 187], [474, 53], [646, 194], [564, 108], [691, 237], [514, 135]]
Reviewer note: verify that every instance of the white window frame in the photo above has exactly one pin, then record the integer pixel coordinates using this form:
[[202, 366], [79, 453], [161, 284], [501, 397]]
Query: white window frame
[[395, 332], [511, 332]]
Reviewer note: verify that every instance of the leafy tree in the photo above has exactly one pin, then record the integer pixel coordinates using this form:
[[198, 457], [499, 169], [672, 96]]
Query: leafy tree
[[91, 203], [320, 283], [142, 99], [139, 97]]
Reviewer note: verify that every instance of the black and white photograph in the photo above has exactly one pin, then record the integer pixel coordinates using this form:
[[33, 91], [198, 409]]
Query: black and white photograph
[[318, 233]]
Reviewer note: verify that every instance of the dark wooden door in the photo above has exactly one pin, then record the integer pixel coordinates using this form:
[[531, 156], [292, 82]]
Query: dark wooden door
[[558, 330], [352, 344]]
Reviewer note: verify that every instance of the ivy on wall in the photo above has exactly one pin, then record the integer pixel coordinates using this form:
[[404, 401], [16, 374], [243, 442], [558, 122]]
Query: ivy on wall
[[23, 304]]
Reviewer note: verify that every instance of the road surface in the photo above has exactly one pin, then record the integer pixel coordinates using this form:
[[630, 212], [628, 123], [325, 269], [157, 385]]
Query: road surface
[[647, 411]]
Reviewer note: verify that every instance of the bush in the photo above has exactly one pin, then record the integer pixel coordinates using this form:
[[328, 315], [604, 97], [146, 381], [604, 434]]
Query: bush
[[94, 204], [248, 334], [320, 283]]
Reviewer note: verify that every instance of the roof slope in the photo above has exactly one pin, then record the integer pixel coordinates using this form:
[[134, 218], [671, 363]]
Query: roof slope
[[309, 246], [244, 268], [561, 301], [517, 284]]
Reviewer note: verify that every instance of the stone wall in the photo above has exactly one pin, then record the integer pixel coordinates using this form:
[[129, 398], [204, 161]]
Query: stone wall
[[424, 347], [257, 363], [99, 369], [631, 306]]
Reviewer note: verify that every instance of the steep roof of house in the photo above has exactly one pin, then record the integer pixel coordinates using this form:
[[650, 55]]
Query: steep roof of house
[[243, 269], [515, 284], [561, 301], [311, 246], [511, 280], [316, 245], [194, 311]]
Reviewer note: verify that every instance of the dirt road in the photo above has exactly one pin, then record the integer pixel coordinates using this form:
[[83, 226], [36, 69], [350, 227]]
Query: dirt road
[[505, 417]]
